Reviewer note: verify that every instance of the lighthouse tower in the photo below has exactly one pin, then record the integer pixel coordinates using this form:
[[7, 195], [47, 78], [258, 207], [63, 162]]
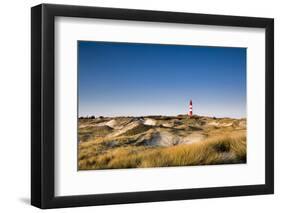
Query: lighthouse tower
[[190, 108]]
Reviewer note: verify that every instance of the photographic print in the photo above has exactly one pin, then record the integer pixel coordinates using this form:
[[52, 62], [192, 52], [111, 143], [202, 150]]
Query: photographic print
[[157, 105], [184, 95]]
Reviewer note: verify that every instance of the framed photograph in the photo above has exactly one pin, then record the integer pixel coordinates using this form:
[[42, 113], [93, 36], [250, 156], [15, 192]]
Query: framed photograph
[[139, 106]]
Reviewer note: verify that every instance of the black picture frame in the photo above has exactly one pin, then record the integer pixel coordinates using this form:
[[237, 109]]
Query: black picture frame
[[43, 102]]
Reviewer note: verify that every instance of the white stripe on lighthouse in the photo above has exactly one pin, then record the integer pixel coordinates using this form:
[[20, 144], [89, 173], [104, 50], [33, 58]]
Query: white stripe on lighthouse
[[190, 108]]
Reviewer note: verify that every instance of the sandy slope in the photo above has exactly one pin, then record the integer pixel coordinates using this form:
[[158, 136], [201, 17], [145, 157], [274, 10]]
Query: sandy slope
[[156, 130]]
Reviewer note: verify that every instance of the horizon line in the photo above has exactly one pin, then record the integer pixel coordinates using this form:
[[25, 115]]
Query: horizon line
[[128, 116]]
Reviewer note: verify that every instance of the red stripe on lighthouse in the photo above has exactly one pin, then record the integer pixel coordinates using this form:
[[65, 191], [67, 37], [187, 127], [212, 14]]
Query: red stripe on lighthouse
[[190, 108]]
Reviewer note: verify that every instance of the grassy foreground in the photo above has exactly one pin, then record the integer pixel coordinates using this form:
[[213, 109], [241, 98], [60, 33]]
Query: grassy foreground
[[220, 150], [221, 145]]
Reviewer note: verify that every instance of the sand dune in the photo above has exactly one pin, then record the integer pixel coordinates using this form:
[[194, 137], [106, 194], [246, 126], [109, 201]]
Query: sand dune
[[104, 136]]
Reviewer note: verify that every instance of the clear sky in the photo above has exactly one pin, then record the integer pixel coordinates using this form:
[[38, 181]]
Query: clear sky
[[130, 79]]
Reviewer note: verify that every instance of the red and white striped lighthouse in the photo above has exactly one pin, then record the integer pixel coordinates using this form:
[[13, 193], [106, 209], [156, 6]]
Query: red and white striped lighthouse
[[190, 108]]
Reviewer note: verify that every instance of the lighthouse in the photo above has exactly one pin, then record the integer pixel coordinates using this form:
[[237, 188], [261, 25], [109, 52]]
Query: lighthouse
[[190, 108]]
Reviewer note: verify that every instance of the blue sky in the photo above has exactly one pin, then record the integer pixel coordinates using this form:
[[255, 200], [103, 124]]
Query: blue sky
[[130, 79]]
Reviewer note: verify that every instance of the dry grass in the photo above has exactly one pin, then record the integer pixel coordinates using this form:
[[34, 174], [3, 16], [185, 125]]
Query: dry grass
[[218, 149]]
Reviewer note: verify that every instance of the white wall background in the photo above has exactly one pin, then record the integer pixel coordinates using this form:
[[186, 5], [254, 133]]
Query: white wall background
[[15, 105]]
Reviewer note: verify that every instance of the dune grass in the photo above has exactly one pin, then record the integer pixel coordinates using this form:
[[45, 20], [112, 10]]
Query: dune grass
[[223, 149]]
